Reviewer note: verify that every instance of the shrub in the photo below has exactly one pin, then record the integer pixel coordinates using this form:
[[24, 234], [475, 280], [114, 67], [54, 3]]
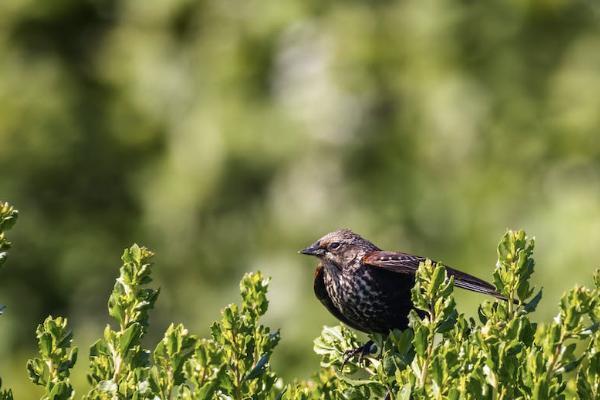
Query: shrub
[[8, 217], [443, 355], [232, 363]]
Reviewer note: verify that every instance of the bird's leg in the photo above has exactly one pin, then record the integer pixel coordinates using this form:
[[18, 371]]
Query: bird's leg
[[361, 351]]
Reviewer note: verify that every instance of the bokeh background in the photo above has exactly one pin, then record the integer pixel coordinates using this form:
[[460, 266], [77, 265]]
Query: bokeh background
[[228, 134]]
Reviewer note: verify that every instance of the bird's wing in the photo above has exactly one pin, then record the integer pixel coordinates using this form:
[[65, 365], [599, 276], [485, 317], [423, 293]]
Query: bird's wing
[[408, 264], [323, 296]]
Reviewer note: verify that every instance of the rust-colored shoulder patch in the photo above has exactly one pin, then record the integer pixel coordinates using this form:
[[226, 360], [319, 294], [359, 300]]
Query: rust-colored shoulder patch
[[393, 261]]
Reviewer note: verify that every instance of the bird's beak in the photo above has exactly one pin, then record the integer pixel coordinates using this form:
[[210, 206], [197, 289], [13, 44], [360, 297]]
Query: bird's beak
[[312, 250]]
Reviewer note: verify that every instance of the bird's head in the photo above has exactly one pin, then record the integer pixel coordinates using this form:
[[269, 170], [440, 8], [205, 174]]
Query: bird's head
[[340, 248]]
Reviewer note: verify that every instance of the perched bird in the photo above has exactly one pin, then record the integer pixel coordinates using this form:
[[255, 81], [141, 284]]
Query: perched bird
[[369, 289]]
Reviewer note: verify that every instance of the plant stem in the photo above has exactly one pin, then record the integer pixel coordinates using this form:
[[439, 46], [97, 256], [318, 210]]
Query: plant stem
[[431, 338], [555, 357]]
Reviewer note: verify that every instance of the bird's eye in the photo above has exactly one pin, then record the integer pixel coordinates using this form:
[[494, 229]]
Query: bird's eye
[[334, 245]]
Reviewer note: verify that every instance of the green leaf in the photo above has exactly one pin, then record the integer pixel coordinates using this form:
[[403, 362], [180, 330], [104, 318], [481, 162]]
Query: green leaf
[[61, 391], [420, 340], [533, 303], [45, 344], [259, 368], [404, 393], [130, 337], [439, 275]]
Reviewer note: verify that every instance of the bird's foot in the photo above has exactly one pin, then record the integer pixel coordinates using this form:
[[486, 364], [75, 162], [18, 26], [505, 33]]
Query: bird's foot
[[361, 351]]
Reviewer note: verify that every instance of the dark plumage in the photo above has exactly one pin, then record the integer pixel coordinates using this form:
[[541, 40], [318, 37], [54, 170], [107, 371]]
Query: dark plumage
[[369, 289]]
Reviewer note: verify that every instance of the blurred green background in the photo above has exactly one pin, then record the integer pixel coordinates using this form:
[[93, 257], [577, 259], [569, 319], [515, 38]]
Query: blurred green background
[[228, 134]]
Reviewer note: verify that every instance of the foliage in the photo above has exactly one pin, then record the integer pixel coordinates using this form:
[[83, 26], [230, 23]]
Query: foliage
[[119, 365], [5, 394], [57, 357], [443, 355], [233, 363], [8, 217]]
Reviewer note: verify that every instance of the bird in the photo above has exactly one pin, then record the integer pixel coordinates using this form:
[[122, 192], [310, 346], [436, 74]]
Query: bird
[[369, 289]]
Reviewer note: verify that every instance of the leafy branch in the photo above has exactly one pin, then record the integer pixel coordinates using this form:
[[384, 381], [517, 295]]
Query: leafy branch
[[8, 217], [119, 365], [57, 357]]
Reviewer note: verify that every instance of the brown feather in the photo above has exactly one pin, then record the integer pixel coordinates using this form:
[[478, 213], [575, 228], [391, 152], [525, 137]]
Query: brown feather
[[408, 264]]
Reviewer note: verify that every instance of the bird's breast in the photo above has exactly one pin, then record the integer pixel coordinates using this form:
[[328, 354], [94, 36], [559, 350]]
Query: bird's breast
[[358, 296]]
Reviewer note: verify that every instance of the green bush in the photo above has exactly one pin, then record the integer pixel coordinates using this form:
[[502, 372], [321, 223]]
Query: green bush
[[502, 354], [233, 363], [8, 217]]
